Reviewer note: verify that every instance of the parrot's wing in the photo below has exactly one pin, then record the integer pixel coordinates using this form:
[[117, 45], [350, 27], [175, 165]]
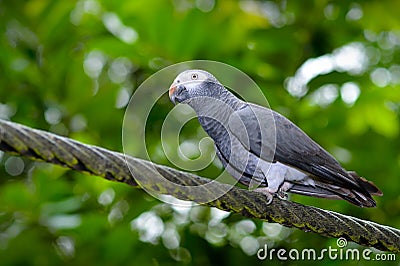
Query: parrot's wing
[[297, 149], [293, 148], [248, 125]]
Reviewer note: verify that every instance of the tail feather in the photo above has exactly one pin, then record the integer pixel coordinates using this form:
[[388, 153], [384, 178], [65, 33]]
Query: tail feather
[[367, 185], [325, 190]]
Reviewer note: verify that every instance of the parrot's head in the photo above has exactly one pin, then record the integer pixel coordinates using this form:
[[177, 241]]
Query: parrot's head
[[194, 83]]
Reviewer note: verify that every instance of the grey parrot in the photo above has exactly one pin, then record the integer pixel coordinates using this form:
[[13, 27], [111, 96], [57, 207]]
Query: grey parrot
[[263, 149]]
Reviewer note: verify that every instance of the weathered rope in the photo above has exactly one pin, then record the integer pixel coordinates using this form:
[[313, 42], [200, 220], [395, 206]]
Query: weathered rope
[[44, 146]]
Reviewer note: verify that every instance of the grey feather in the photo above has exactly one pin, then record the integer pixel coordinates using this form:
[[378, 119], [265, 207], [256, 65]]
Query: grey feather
[[256, 144]]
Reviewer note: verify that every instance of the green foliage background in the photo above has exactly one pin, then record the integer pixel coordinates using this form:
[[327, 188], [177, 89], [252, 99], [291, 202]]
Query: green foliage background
[[68, 67]]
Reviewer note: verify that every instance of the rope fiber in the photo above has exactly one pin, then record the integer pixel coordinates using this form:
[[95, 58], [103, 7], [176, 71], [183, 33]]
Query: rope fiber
[[40, 145]]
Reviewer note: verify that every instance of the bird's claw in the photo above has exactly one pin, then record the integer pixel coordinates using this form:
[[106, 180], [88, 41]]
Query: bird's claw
[[270, 193], [286, 186], [282, 195], [267, 192]]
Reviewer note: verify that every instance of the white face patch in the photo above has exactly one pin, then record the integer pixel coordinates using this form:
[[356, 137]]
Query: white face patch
[[193, 76]]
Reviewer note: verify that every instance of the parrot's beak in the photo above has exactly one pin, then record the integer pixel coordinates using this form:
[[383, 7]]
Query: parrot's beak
[[171, 93], [178, 93]]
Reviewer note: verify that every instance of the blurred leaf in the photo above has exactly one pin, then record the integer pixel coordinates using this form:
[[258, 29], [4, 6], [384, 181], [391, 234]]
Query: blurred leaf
[[45, 46]]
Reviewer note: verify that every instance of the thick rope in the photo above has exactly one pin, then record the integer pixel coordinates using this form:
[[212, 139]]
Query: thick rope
[[44, 146]]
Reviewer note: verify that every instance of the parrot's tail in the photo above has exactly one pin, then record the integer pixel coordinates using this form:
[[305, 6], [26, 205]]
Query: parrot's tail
[[326, 190], [367, 185]]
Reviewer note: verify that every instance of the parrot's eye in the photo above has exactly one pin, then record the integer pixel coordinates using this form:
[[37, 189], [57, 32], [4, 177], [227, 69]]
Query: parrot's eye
[[195, 76]]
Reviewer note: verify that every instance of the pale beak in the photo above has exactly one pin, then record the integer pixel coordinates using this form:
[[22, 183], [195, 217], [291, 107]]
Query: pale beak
[[171, 93]]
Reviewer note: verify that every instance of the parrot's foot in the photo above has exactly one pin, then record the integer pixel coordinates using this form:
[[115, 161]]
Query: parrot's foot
[[269, 193], [283, 189], [282, 195]]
